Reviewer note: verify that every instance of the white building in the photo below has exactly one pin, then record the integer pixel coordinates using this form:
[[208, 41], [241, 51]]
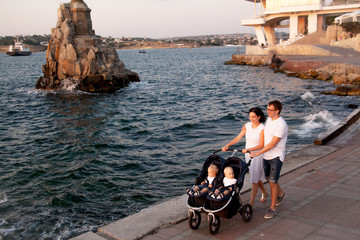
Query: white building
[[301, 17]]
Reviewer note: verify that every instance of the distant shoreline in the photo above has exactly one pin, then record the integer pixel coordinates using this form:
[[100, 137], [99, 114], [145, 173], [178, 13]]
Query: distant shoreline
[[3, 48]]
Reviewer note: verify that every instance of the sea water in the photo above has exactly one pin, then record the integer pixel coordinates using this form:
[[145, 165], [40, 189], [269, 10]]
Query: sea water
[[72, 161]]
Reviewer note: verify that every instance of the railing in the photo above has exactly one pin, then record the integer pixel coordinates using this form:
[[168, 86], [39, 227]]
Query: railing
[[329, 3], [259, 9]]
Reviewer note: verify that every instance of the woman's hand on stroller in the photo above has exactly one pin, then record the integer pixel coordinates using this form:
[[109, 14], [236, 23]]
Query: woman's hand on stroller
[[225, 148]]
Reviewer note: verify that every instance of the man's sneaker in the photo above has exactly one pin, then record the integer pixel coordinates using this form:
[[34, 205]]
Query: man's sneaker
[[280, 199], [270, 214]]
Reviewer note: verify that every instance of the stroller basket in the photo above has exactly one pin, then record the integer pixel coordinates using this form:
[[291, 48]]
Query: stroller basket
[[196, 202], [226, 208]]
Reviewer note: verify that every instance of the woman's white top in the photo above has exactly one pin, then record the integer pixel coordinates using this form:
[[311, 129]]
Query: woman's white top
[[253, 139]]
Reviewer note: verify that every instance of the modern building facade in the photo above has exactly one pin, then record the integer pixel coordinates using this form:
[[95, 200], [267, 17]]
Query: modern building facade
[[301, 17]]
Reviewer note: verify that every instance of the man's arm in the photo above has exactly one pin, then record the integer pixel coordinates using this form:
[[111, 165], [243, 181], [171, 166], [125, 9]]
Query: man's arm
[[268, 147]]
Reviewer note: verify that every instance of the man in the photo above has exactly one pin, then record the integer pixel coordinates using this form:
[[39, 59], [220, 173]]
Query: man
[[275, 134]]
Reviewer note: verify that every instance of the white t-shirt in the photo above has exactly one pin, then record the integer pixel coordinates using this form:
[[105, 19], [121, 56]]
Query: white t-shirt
[[229, 181], [210, 180], [278, 128]]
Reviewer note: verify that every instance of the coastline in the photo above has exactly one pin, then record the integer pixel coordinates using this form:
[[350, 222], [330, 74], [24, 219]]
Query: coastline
[[175, 211], [3, 49], [342, 71]]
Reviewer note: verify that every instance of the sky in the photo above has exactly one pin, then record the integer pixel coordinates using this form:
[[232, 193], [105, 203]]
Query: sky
[[132, 18]]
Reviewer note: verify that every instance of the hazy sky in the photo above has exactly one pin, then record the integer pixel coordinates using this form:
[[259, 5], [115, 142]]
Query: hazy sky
[[132, 18]]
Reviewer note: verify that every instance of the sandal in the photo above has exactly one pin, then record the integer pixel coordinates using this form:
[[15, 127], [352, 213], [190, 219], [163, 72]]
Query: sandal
[[220, 196], [197, 193], [263, 197]]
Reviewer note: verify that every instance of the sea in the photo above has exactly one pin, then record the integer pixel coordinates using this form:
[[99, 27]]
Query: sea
[[71, 161]]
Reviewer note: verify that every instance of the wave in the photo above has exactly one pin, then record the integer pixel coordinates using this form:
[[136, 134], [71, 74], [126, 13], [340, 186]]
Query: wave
[[317, 122], [7, 230], [3, 198], [308, 97], [140, 85]]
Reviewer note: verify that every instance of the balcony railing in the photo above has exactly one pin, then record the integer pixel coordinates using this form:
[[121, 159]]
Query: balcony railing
[[260, 11]]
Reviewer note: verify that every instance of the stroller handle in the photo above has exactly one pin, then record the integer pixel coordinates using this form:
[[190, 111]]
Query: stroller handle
[[229, 150], [235, 150]]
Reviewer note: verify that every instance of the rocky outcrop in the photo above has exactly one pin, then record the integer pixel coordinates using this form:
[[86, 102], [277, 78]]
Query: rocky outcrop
[[344, 75], [345, 91], [76, 59]]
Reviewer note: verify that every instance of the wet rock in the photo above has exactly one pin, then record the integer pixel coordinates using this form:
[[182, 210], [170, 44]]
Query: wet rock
[[339, 79], [345, 91], [354, 91], [324, 76], [75, 56], [353, 78]]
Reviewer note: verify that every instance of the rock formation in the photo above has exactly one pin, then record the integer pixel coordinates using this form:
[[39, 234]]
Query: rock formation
[[75, 56]]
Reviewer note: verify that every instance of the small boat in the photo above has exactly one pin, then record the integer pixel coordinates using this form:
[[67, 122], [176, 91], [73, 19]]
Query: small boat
[[18, 49], [142, 51]]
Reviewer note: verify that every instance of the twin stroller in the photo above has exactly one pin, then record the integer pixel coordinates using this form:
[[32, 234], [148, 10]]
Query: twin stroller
[[226, 207]]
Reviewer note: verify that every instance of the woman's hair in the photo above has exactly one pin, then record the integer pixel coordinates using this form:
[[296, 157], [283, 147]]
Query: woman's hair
[[258, 113]]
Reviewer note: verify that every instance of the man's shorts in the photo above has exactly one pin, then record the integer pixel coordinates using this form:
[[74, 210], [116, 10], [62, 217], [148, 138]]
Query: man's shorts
[[272, 169]]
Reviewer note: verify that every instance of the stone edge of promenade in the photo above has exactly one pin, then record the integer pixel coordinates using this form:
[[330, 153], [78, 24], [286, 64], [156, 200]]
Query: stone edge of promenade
[[175, 210]]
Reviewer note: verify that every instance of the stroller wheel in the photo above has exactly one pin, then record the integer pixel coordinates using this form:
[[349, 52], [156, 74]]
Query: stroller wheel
[[214, 224], [194, 219], [246, 212]]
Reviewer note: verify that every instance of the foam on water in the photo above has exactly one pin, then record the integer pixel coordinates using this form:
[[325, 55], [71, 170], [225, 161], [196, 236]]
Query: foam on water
[[3, 198], [308, 97], [139, 85], [4, 229], [69, 85], [313, 122]]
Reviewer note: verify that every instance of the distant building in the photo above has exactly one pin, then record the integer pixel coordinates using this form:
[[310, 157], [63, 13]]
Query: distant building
[[301, 17]]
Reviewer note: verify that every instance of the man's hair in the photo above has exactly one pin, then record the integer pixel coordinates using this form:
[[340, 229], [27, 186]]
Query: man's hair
[[277, 105]]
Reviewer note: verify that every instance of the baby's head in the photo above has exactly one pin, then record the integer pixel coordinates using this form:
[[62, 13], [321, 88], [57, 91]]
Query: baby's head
[[213, 170], [229, 172]]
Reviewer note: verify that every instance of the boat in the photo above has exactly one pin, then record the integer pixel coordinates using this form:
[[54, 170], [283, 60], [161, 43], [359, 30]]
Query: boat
[[142, 51], [18, 49]]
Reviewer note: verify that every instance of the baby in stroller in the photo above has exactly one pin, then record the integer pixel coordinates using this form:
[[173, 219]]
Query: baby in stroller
[[205, 185], [227, 185]]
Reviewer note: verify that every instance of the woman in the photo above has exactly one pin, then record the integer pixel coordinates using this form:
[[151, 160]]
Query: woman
[[254, 134]]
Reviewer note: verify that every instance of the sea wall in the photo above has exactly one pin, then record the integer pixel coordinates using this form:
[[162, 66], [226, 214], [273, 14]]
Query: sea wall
[[304, 49], [353, 43], [298, 49]]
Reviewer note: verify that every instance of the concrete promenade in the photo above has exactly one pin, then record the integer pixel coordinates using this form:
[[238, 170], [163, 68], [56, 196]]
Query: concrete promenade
[[322, 183], [323, 202]]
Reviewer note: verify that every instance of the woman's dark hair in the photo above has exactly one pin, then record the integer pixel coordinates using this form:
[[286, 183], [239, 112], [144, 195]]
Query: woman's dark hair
[[258, 113]]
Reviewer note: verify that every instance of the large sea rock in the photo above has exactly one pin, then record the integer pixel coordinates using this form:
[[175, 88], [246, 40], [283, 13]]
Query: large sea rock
[[76, 59]]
